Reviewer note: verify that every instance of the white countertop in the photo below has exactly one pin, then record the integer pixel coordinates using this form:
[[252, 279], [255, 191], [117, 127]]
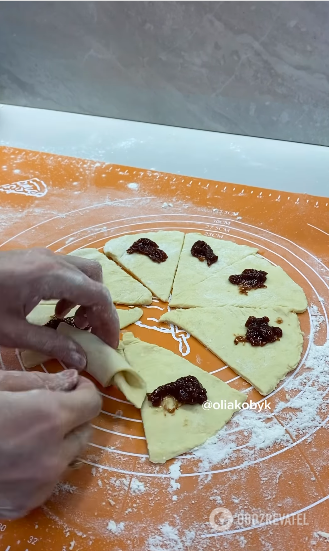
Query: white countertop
[[243, 160]]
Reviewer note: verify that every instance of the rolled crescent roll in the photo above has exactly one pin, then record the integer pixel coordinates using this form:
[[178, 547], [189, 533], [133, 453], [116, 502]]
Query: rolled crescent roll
[[106, 365]]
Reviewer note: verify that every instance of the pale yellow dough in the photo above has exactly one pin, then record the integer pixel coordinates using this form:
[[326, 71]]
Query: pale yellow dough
[[156, 277], [127, 317], [169, 435], [106, 365], [44, 312], [124, 289], [216, 290], [191, 272], [262, 366]]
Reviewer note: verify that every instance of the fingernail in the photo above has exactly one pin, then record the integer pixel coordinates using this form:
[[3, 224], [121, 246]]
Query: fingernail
[[78, 360]]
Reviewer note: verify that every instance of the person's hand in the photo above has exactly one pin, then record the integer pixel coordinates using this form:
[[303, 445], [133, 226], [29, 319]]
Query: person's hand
[[42, 430], [29, 276]]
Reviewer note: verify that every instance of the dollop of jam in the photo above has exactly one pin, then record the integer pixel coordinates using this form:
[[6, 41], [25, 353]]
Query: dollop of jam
[[54, 322], [148, 248], [203, 251], [259, 332], [249, 279], [186, 390]]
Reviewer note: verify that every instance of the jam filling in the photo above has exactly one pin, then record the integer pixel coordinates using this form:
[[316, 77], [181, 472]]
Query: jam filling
[[54, 322], [148, 248], [248, 280], [203, 251], [186, 390], [259, 332]]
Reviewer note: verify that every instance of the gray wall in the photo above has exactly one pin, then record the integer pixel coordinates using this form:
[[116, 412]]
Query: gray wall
[[260, 69]]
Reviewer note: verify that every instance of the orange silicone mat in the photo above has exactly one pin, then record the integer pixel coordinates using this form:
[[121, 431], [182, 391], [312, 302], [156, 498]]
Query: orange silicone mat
[[271, 474]]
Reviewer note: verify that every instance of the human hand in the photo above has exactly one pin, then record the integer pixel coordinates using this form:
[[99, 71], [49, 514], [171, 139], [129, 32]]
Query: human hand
[[29, 276], [41, 432]]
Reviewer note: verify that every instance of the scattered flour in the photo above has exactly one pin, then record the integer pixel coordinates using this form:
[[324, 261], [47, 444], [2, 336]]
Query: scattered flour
[[133, 185], [316, 317], [169, 539], [324, 535], [115, 528], [174, 471], [64, 488], [312, 386], [137, 487]]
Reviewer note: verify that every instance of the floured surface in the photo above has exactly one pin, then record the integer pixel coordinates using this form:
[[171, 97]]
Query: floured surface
[[280, 455]]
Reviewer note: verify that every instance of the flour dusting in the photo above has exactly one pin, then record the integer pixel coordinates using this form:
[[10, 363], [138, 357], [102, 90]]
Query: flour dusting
[[115, 528], [133, 185]]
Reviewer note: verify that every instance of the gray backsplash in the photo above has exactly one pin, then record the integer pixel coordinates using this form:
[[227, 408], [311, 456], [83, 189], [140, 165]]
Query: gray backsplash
[[252, 68]]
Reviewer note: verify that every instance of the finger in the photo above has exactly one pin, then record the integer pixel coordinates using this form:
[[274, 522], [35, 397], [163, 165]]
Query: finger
[[24, 335], [63, 307], [80, 406], [17, 381], [79, 289], [109, 332], [80, 318], [90, 268], [75, 442]]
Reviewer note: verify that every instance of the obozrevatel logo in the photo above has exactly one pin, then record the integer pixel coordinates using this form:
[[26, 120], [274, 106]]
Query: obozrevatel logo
[[221, 519]]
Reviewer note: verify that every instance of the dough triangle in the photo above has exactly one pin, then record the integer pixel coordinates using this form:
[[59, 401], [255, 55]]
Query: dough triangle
[[216, 290], [156, 277], [191, 272], [124, 289], [262, 366], [127, 317], [169, 435]]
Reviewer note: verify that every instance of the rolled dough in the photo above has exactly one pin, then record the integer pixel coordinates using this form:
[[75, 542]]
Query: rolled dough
[[191, 272], [169, 435], [106, 365], [124, 289], [262, 366], [156, 277], [43, 313], [216, 290]]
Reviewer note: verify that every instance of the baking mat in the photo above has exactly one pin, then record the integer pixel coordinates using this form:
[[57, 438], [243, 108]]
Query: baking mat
[[268, 469]]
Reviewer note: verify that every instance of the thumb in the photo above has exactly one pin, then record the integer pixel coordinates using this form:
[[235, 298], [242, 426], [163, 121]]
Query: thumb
[[24, 335], [20, 381]]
